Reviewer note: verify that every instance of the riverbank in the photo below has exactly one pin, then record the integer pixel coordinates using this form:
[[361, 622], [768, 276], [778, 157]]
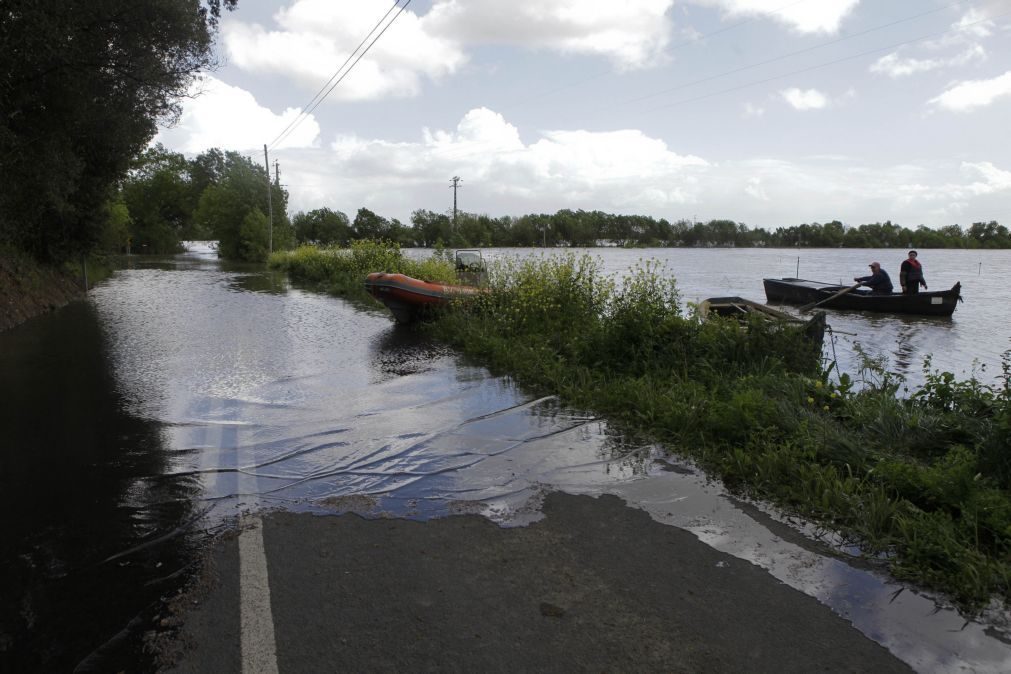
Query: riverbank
[[29, 289], [594, 586]]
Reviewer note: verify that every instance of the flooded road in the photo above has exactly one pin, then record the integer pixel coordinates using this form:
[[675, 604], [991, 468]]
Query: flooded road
[[184, 392]]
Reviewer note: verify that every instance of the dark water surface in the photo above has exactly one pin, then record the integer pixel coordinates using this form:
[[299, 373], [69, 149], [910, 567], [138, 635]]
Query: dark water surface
[[184, 392]]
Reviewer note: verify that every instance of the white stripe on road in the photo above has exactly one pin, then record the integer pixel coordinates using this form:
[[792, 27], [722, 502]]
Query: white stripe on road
[[259, 650]]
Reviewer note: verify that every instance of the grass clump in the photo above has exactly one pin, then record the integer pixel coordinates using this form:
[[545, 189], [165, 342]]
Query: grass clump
[[343, 270]]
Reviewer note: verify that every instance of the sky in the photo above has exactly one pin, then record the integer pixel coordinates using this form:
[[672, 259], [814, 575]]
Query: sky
[[766, 112]]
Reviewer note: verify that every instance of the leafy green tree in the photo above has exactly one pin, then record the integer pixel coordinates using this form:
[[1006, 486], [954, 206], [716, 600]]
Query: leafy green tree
[[254, 236], [82, 87], [322, 226], [430, 227], [158, 195], [368, 225], [116, 233], [223, 209]]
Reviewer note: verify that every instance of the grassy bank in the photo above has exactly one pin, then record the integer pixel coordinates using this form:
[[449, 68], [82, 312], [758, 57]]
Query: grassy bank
[[28, 288], [921, 483]]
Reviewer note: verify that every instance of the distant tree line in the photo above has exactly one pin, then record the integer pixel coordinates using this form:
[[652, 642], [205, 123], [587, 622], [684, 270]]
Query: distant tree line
[[166, 198], [595, 228]]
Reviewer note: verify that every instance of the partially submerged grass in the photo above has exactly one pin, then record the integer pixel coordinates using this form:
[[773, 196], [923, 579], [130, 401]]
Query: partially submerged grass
[[922, 482], [343, 270]]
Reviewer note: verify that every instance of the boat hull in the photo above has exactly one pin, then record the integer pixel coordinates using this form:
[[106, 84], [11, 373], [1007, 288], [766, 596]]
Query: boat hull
[[738, 307], [800, 291], [410, 299]]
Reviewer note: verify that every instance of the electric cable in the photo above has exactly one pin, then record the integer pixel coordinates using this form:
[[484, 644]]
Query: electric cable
[[317, 99]]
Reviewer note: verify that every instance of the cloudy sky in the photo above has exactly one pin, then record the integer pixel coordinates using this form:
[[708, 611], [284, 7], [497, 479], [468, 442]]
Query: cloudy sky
[[767, 112]]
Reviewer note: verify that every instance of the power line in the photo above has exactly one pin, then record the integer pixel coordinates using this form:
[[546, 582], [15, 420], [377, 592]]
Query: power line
[[318, 98]]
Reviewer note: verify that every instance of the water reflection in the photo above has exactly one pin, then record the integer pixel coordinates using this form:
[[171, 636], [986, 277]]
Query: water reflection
[[73, 468]]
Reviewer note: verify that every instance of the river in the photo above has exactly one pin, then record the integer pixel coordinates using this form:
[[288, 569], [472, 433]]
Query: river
[[185, 391]]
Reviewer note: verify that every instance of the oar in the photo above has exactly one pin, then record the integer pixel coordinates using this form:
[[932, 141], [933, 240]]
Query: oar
[[842, 292]]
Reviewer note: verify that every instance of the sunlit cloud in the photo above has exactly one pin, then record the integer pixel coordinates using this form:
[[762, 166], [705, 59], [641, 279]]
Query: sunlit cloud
[[227, 117], [822, 16], [895, 66], [972, 94], [807, 99]]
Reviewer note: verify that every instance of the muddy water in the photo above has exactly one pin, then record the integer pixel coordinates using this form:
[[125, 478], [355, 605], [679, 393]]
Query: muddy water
[[184, 392]]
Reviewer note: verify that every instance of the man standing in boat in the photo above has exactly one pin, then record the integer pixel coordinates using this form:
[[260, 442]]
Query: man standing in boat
[[878, 281], [911, 275]]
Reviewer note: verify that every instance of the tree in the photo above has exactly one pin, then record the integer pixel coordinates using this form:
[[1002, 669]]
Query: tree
[[160, 201], [368, 225], [223, 209], [322, 226], [82, 87]]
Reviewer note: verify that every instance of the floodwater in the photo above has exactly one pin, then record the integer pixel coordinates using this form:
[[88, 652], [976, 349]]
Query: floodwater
[[184, 391], [971, 341]]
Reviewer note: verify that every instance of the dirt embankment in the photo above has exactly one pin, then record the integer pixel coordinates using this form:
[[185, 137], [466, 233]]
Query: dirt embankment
[[28, 289]]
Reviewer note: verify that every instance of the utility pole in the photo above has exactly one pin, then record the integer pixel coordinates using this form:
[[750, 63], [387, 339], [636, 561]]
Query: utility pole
[[270, 207], [456, 181]]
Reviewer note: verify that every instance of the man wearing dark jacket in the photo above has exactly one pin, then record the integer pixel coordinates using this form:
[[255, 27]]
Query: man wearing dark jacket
[[878, 281], [911, 275]]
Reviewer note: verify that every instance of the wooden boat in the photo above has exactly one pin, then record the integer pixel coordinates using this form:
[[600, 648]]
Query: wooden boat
[[739, 307], [411, 299], [800, 291]]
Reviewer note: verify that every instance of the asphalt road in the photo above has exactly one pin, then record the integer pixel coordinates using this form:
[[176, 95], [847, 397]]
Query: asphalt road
[[594, 586]]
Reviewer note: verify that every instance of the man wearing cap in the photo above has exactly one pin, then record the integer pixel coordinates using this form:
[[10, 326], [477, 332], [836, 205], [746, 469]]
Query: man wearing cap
[[911, 275], [878, 281]]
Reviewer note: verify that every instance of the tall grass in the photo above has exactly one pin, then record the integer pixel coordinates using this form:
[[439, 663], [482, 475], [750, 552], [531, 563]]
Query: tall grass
[[343, 270]]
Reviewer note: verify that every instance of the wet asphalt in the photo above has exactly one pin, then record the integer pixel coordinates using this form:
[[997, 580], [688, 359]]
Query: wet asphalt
[[593, 586]]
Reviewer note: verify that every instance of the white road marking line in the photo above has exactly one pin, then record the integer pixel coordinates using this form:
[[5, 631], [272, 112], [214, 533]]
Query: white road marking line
[[259, 649]]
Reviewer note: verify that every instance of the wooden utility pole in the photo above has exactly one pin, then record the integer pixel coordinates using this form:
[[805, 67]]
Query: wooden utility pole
[[456, 181], [270, 207]]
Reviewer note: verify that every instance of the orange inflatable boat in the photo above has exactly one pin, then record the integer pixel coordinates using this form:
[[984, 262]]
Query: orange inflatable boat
[[409, 298]]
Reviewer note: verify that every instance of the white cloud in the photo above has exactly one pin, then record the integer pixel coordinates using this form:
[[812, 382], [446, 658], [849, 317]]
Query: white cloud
[[821, 16], [808, 99], [971, 94], [754, 189], [752, 110], [312, 38], [315, 37], [632, 33], [227, 117], [621, 170], [895, 66]]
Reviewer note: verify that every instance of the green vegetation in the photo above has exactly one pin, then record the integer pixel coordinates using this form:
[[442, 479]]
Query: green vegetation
[[84, 85], [922, 483], [343, 270]]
